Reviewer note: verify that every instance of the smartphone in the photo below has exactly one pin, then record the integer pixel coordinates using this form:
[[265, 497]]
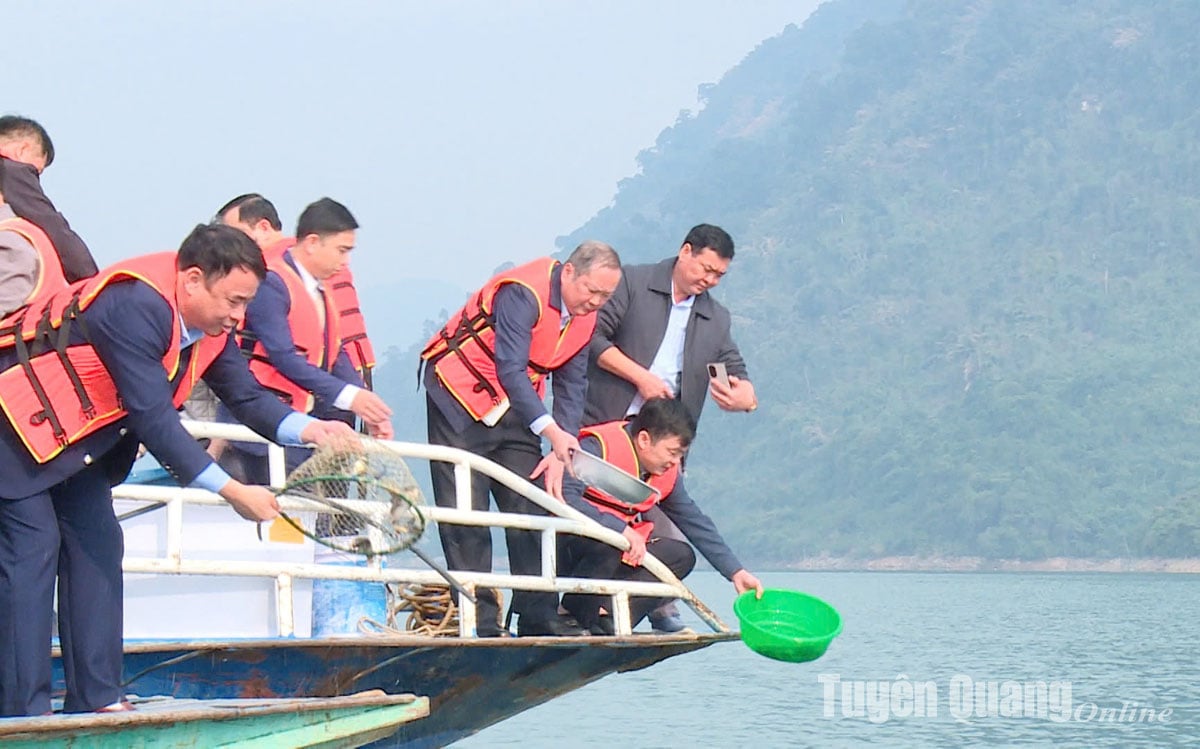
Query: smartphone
[[716, 371]]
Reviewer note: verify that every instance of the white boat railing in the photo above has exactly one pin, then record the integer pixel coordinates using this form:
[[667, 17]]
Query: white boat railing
[[562, 519]]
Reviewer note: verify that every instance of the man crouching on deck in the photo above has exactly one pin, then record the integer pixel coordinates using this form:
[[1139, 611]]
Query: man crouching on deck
[[650, 446], [85, 375]]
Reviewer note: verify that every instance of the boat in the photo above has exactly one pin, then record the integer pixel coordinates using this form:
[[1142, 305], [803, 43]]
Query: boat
[[470, 682], [350, 721]]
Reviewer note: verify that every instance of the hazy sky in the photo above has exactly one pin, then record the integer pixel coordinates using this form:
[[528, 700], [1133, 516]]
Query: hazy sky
[[461, 134]]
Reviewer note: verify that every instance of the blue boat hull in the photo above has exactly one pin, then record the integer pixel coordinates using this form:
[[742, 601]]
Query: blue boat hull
[[471, 684]]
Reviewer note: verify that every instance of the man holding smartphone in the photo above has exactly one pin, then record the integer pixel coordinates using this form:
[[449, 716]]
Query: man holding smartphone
[[661, 330], [657, 338]]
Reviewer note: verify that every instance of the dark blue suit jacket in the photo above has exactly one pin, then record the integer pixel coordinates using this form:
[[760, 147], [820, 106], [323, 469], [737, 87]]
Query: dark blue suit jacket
[[679, 506], [130, 326], [266, 319]]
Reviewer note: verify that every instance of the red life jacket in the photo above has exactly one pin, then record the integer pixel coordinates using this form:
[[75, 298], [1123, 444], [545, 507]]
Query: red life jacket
[[352, 324], [50, 277], [616, 447], [308, 334], [58, 393], [462, 353], [276, 249]]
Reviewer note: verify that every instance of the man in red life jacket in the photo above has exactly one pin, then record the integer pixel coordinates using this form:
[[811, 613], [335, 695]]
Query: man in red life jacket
[[117, 355], [651, 447], [255, 215], [485, 378], [292, 335], [25, 152]]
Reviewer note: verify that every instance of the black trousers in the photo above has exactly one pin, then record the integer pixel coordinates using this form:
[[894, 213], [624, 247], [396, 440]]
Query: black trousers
[[584, 557], [68, 531], [513, 446]]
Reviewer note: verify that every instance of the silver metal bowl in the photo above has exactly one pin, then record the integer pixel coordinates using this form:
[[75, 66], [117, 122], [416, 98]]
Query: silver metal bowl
[[609, 479]]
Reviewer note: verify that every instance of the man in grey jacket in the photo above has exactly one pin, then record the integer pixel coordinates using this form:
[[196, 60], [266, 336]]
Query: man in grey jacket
[[25, 152], [18, 265], [655, 339], [661, 329]]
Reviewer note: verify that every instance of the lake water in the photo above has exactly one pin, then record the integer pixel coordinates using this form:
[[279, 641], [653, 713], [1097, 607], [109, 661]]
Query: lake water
[[924, 660]]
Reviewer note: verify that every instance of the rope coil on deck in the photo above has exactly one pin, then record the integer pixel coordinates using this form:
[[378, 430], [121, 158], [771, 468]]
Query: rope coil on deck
[[428, 610]]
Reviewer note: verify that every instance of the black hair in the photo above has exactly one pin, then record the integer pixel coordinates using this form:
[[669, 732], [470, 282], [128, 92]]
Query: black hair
[[707, 236], [324, 217], [217, 249], [665, 417], [13, 126], [252, 208]]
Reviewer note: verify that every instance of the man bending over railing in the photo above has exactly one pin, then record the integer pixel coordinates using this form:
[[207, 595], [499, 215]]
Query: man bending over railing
[[650, 446]]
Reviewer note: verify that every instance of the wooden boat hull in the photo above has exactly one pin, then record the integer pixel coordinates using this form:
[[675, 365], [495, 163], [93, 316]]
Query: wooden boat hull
[[471, 684], [350, 721]]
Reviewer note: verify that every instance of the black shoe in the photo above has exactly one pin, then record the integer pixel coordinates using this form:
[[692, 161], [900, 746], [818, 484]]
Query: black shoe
[[491, 630], [603, 627], [669, 624], [556, 626]]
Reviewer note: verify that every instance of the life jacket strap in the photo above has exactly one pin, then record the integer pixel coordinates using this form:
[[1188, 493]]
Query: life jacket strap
[[70, 315], [624, 509], [47, 413], [468, 327]]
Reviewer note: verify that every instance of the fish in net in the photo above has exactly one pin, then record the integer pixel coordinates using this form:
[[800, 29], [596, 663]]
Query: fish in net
[[359, 497]]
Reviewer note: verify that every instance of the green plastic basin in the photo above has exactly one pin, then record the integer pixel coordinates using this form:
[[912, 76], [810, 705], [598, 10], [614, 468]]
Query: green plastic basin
[[787, 625]]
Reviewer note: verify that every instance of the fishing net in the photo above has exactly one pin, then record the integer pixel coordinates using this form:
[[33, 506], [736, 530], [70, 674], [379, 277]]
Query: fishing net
[[360, 498]]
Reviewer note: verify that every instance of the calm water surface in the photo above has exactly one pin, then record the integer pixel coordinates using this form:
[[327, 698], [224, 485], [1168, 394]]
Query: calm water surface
[[1095, 642]]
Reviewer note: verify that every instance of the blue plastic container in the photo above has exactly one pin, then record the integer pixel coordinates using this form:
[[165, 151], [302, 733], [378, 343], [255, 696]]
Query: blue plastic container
[[339, 605]]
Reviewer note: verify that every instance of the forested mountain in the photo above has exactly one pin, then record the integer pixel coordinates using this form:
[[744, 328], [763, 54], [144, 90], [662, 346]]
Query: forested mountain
[[966, 284]]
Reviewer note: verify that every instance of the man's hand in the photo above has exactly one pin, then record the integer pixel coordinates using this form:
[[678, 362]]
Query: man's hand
[[216, 447], [381, 430], [637, 547], [744, 581], [370, 407], [650, 385], [739, 396], [562, 443], [324, 432], [256, 503], [553, 468]]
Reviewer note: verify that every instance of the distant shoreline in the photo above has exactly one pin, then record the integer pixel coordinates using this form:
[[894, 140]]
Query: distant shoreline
[[980, 564]]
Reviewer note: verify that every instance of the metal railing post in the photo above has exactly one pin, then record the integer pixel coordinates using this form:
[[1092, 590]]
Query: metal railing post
[[175, 530], [621, 616], [276, 466], [550, 554], [285, 611], [462, 486], [467, 622]]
